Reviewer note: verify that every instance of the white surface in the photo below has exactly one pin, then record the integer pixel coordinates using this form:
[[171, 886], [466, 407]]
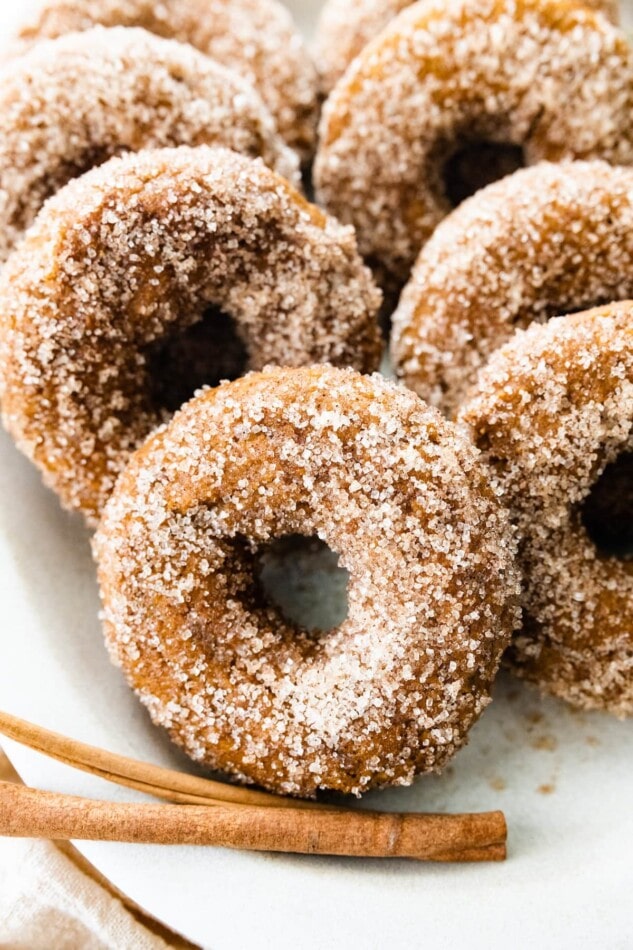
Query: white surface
[[564, 780]]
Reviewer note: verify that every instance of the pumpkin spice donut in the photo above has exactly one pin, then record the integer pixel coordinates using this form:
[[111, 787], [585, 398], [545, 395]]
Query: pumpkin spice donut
[[552, 239], [547, 79], [553, 411], [72, 103], [390, 487], [347, 26], [255, 38], [153, 252]]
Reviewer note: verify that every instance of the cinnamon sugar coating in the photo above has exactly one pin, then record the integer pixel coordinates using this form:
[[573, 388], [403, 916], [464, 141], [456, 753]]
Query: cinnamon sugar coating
[[347, 26], [548, 76], [74, 102], [546, 240], [137, 250], [256, 38], [552, 411], [388, 485]]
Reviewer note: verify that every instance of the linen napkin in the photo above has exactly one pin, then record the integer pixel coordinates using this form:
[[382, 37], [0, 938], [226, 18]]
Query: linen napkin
[[51, 898]]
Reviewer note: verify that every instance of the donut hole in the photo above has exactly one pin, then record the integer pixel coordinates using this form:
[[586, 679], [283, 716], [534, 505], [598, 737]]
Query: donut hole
[[607, 513], [476, 164], [301, 578], [203, 354]]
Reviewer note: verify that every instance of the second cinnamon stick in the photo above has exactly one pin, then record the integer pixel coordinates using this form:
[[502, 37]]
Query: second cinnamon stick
[[26, 812]]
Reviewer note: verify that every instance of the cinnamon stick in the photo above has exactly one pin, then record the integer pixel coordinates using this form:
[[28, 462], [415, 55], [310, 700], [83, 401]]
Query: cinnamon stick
[[168, 784], [26, 812]]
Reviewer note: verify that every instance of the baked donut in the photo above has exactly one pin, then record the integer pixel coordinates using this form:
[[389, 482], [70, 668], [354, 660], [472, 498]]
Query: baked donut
[[390, 487], [256, 38], [346, 27], [135, 257], [553, 411], [547, 240], [545, 78], [72, 103]]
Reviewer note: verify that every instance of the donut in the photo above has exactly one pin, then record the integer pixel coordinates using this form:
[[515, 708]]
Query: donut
[[551, 239], [150, 251], [553, 412], [345, 28], [71, 103], [391, 488], [546, 79], [255, 38]]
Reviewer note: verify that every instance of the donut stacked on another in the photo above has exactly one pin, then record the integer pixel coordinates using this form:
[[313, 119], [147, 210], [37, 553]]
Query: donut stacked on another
[[390, 487], [553, 412], [72, 103], [547, 240], [140, 252], [537, 79], [256, 38], [347, 26]]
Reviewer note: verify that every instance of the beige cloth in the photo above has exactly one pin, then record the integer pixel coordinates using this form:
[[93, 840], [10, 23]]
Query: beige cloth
[[51, 898]]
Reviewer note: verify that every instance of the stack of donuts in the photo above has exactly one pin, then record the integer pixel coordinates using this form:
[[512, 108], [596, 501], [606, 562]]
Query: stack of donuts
[[189, 351]]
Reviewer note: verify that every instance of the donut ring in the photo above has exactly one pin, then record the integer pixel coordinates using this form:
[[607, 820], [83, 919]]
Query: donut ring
[[255, 38], [346, 27], [547, 240], [553, 410], [135, 252], [74, 102], [390, 487], [444, 76]]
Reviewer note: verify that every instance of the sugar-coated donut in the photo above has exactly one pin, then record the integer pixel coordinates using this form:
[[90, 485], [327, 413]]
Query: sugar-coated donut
[[553, 411], [552, 239], [138, 251], [397, 493], [256, 38], [548, 77], [347, 26], [72, 103]]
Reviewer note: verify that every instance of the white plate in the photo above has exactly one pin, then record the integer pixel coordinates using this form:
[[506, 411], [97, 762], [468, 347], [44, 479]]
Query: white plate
[[565, 781]]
